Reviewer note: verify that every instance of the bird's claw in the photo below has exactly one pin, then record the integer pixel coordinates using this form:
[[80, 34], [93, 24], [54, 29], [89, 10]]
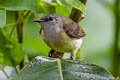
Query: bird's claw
[[54, 54]]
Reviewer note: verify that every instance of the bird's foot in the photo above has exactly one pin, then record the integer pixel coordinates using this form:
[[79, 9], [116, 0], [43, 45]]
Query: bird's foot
[[72, 57], [57, 55], [51, 53], [54, 54]]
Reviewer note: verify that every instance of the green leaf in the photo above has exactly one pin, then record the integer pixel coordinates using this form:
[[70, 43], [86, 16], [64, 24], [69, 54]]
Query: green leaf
[[48, 7], [2, 18], [33, 42], [36, 46], [43, 68], [22, 5], [59, 2], [63, 10], [78, 55], [10, 52], [76, 4]]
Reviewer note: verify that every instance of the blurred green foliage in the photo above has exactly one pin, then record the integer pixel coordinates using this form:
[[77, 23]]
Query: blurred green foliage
[[2, 17], [33, 43], [97, 46], [10, 52]]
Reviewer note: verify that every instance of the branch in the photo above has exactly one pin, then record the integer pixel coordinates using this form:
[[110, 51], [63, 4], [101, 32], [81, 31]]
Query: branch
[[19, 17], [76, 15]]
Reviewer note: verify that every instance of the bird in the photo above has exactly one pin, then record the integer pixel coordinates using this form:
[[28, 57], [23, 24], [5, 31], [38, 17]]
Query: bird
[[61, 33]]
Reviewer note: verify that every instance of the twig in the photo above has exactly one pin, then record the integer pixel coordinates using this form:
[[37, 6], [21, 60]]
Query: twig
[[9, 25], [76, 15]]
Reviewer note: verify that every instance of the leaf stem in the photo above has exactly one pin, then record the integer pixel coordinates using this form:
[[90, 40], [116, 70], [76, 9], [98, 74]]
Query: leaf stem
[[12, 24], [11, 32], [13, 28], [16, 70], [3, 70], [28, 16], [60, 68]]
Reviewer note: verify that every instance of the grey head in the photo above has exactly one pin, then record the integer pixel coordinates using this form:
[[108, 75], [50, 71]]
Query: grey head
[[54, 20]]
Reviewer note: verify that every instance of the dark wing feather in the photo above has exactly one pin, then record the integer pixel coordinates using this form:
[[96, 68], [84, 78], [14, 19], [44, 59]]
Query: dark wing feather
[[72, 29]]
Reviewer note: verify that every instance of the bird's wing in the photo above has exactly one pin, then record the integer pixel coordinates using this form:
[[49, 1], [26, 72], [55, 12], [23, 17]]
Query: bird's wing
[[72, 29]]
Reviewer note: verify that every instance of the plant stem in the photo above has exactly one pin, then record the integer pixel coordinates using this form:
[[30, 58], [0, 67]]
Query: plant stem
[[76, 15], [116, 55], [19, 17], [20, 26]]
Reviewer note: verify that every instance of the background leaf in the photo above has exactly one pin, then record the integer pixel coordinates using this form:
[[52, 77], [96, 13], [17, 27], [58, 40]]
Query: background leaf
[[63, 10], [10, 52], [44, 68], [22, 5], [78, 55], [2, 18], [76, 4], [33, 42], [59, 2], [48, 7]]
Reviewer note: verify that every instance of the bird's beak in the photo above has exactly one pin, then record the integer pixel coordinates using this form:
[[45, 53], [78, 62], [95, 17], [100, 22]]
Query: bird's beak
[[37, 20]]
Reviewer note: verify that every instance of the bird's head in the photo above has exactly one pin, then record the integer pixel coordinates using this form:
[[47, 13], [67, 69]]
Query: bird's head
[[54, 20]]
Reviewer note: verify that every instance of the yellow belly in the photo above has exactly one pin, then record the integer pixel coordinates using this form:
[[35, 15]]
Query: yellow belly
[[61, 42]]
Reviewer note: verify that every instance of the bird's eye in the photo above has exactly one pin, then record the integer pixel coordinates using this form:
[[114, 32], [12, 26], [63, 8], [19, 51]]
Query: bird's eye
[[50, 18]]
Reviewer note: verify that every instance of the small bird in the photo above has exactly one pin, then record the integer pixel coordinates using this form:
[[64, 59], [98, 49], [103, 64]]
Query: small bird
[[61, 33]]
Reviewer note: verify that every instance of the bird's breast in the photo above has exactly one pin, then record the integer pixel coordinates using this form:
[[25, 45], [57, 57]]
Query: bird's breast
[[58, 40]]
